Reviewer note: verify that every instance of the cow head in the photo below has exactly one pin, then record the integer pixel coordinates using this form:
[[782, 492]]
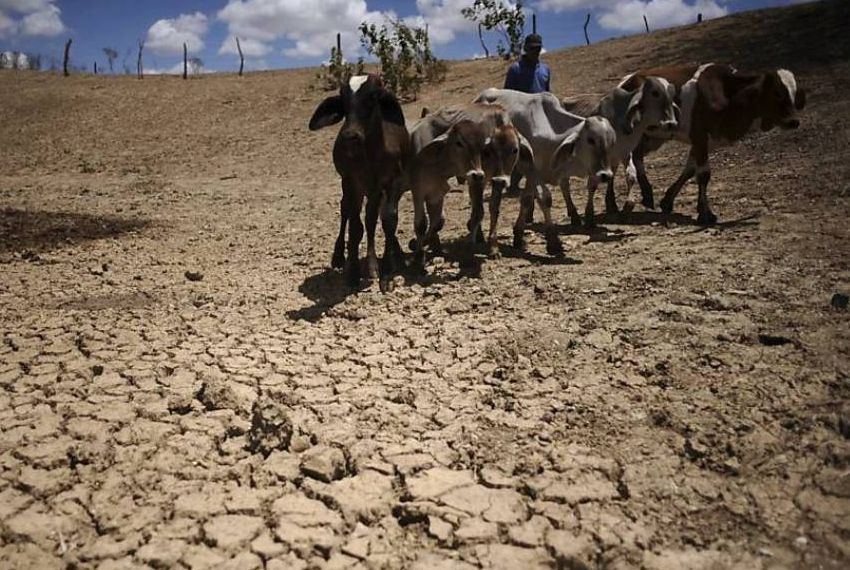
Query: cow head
[[459, 150], [363, 102], [588, 146], [654, 104], [774, 96], [503, 150], [781, 99]]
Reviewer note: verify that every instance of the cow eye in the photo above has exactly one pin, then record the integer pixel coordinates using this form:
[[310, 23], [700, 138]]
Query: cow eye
[[591, 142], [459, 143], [514, 150], [656, 94]]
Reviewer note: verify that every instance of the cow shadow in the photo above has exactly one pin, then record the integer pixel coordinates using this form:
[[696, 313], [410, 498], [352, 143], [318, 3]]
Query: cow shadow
[[35, 230], [472, 257], [325, 289]]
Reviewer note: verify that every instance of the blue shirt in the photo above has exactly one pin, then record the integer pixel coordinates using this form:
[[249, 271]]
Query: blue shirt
[[528, 77]]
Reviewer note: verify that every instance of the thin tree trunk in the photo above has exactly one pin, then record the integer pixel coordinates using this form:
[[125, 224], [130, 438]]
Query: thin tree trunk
[[95, 68], [185, 62], [645, 23], [483, 45], [139, 69], [241, 57], [67, 55], [586, 22]]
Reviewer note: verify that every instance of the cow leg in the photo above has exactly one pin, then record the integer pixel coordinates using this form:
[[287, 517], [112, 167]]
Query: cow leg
[[589, 218], [704, 214], [610, 197], [647, 199], [393, 257], [493, 237], [355, 234], [420, 229], [338, 259], [529, 215], [553, 242], [373, 209], [572, 211], [516, 177], [526, 202], [436, 221], [687, 173], [476, 212]]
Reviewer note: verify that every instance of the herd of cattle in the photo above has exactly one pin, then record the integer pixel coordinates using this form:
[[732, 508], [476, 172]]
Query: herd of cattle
[[484, 141]]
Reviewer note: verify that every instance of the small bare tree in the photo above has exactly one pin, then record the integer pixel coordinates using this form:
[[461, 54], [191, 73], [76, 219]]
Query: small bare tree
[[185, 61], [197, 65], [586, 22], [139, 68], [111, 56]]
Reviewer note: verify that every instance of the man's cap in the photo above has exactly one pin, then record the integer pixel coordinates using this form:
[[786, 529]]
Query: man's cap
[[533, 40]]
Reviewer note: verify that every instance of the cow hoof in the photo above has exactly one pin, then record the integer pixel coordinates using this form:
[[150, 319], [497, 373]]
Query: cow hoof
[[611, 207], [707, 219], [589, 223], [386, 284], [666, 206], [648, 203], [479, 236], [352, 279], [575, 220], [554, 247], [338, 261], [519, 241], [412, 245], [493, 252], [529, 218]]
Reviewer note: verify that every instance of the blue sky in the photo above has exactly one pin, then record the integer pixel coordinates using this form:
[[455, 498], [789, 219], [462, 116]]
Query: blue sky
[[296, 33]]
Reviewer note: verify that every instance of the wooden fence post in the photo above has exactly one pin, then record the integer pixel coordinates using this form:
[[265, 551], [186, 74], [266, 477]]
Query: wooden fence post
[[241, 57], [65, 60], [645, 23], [586, 22], [185, 62]]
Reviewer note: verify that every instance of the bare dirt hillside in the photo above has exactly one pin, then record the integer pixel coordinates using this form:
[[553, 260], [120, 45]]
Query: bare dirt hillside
[[184, 383]]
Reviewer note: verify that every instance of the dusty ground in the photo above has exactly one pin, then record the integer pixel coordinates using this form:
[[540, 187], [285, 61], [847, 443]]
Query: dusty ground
[[662, 398]]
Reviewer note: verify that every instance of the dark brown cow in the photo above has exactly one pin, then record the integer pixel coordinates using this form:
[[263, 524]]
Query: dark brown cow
[[719, 106], [370, 154]]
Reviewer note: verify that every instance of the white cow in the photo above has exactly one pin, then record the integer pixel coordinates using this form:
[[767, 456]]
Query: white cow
[[564, 145]]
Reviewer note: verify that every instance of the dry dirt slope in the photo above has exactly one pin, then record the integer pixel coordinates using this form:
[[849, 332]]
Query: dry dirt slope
[[663, 398]]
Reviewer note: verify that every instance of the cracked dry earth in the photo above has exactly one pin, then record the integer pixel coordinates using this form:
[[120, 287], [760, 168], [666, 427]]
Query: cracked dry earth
[[185, 384]]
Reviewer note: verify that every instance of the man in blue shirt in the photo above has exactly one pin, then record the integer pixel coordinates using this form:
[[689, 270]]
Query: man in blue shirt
[[529, 75]]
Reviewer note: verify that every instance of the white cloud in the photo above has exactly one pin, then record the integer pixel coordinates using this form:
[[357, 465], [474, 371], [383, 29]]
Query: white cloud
[[30, 18], [628, 15], [443, 17], [168, 36], [311, 24]]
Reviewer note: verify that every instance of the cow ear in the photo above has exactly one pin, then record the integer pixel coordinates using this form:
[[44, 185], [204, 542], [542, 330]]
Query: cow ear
[[800, 99], [526, 155], [565, 150], [328, 112], [633, 113], [434, 150], [390, 108]]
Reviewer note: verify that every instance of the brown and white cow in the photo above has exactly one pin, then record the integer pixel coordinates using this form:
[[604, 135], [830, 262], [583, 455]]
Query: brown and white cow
[[370, 154], [474, 142], [719, 106]]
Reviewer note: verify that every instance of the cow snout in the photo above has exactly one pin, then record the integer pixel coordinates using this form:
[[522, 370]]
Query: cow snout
[[670, 125], [791, 124], [604, 176], [351, 136], [475, 176]]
